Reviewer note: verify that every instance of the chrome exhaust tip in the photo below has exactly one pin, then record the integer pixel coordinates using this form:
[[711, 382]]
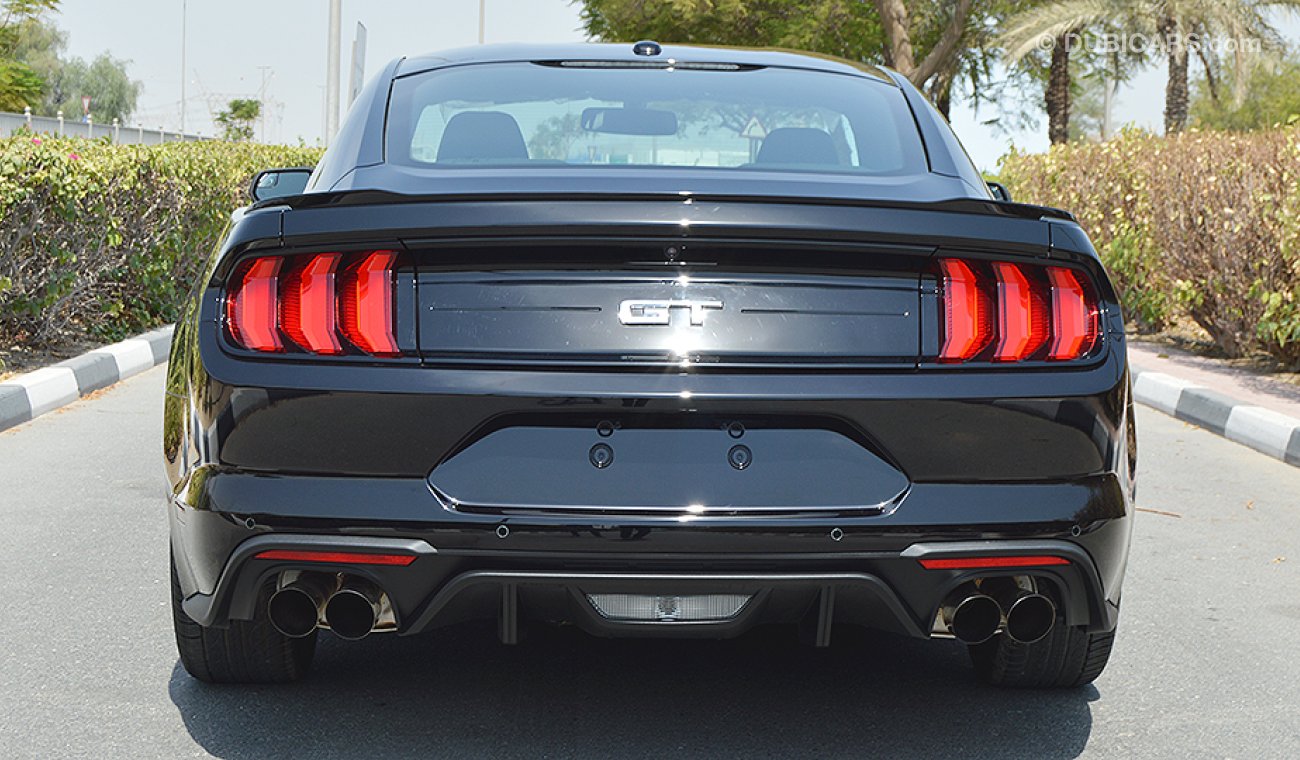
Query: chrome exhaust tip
[[1028, 616], [971, 617], [353, 610], [295, 609]]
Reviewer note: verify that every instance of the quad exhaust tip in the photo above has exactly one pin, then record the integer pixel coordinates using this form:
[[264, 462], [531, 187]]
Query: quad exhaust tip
[[295, 609], [353, 610], [975, 612], [1030, 618], [971, 617], [1027, 616]]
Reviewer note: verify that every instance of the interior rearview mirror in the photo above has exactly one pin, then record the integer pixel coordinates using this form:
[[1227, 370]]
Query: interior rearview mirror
[[630, 121], [278, 183]]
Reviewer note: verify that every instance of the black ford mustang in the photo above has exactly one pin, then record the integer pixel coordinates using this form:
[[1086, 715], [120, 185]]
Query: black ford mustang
[[657, 341]]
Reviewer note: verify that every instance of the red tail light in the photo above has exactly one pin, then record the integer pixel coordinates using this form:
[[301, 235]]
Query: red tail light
[[316, 301], [969, 319], [1022, 315], [307, 311], [1074, 319], [366, 303], [1037, 313], [252, 308]]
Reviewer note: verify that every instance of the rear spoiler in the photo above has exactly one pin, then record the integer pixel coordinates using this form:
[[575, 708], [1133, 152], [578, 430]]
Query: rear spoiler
[[366, 197]]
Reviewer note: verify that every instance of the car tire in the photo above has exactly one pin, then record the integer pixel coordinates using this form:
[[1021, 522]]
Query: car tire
[[1066, 657], [246, 651]]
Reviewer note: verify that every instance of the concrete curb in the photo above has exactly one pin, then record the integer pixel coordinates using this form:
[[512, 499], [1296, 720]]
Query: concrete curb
[[28, 396], [1266, 431]]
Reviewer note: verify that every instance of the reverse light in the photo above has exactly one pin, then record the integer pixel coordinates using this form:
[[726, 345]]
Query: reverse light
[[984, 563], [336, 558], [1005, 312]]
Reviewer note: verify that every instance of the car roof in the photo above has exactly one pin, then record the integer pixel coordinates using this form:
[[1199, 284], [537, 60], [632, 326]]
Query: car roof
[[622, 52]]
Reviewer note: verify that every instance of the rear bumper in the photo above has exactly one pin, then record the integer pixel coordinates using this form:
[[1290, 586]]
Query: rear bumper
[[816, 571], [1006, 460]]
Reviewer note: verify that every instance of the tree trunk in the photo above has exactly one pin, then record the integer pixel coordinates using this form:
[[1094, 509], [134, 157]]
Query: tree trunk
[[1057, 96], [898, 36], [1176, 87], [941, 91], [900, 54]]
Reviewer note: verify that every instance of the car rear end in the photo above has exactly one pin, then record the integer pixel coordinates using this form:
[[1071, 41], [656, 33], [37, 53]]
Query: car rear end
[[652, 411]]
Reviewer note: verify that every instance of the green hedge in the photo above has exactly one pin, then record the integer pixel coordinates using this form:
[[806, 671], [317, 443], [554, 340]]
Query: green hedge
[[101, 241], [1204, 225]]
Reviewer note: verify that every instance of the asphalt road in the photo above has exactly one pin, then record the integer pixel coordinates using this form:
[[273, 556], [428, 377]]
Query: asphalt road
[[1207, 663]]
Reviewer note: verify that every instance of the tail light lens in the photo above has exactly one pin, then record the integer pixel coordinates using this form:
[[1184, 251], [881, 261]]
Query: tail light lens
[[253, 307], [1022, 315], [1005, 312], [323, 303], [307, 310], [1074, 319], [366, 304], [968, 315]]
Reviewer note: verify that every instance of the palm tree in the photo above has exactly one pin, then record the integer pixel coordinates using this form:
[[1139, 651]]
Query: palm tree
[[1175, 23]]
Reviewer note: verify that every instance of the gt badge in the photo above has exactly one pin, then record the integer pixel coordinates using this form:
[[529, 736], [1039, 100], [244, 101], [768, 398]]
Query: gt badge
[[650, 312]]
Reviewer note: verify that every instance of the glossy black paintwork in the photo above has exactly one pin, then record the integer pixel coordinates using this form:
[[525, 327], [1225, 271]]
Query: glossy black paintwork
[[355, 447], [531, 316]]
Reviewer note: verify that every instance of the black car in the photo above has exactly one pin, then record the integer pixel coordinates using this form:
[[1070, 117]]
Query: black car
[[657, 341]]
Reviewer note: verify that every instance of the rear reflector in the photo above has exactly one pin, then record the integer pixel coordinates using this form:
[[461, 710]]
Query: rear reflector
[[982, 563], [1005, 312], [252, 308], [336, 558], [316, 301]]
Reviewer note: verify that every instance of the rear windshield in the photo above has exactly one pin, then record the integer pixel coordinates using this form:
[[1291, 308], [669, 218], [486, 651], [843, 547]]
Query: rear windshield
[[591, 114]]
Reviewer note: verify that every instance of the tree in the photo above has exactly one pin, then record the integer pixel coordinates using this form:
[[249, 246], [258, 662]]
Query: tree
[[1057, 31], [1274, 100], [1179, 25], [925, 40], [237, 120], [112, 92], [900, 52], [20, 86]]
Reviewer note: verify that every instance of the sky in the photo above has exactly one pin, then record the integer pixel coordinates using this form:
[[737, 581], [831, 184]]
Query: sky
[[275, 50]]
